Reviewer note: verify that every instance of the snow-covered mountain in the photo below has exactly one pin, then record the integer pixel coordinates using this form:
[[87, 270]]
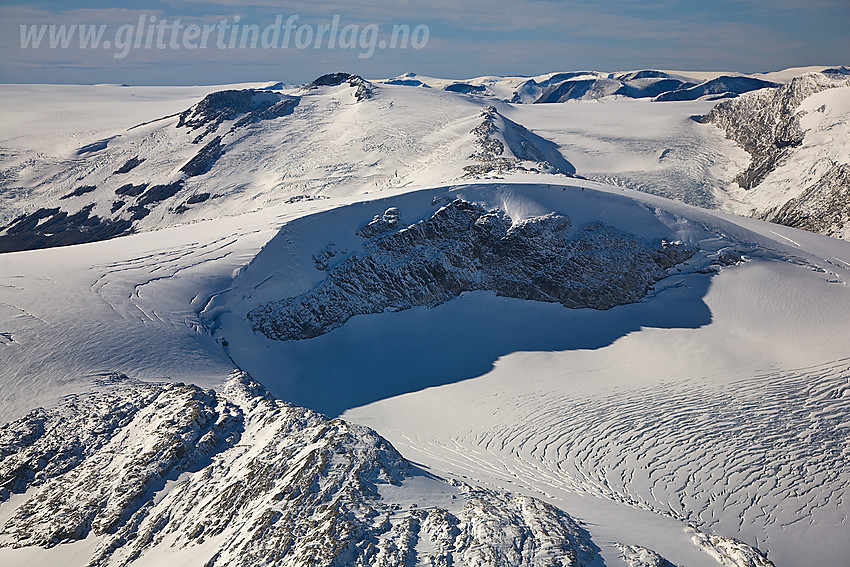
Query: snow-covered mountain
[[237, 150], [365, 323], [593, 85]]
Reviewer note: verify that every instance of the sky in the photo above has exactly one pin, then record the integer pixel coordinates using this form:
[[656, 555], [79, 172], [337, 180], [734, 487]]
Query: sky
[[160, 42]]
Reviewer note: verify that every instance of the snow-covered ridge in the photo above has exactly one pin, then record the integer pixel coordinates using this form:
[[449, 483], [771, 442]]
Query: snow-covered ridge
[[236, 478], [504, 145], [241, 148], [248, 105]]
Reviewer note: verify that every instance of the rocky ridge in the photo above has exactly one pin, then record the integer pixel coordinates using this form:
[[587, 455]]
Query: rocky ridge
[[504, 145], [237, 478], [766, 122], [465, 247]]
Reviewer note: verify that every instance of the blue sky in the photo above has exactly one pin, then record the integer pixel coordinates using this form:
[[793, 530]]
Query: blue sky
[[466, 38]]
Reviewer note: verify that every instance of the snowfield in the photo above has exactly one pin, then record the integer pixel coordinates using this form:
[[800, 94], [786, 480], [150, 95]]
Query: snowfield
[[417, 326]]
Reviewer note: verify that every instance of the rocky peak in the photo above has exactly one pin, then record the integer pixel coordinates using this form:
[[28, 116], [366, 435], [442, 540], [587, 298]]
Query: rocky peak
[[248, 105], [766, 123]]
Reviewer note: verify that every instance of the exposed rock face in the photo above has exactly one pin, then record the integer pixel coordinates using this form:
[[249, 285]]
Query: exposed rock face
[[364, 87], [497, 135], [823, 207], [407, 83], [129, 165], [78, 192], [46, 228], [464, 247], [766, 123], [159, 193], [221, 106], [465, 88], [43, 445], [260, 482], [730, 551], [638, 556], [130, 190], [381, 224], [108, 473], [204, 159]]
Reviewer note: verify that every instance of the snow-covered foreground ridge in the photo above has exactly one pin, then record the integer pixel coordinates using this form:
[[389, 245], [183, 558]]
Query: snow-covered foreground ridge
[[146, 474]]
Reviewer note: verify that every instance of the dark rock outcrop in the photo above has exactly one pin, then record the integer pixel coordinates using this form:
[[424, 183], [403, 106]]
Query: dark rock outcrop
[[197, 198], [78, 192], [129, 165], [407, 83], [465, 88], [364, 88], [204, 159], [464, 247], [46, 228], [130, 190], [251, 105], [159, 193]]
